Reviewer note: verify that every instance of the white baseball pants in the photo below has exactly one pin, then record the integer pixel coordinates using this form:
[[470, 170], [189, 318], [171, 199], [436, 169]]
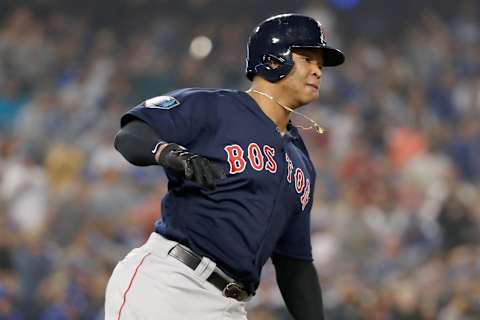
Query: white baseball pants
[[148, 284]]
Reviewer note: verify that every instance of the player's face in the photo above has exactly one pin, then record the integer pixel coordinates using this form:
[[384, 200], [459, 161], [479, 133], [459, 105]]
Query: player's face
[[303, 81]]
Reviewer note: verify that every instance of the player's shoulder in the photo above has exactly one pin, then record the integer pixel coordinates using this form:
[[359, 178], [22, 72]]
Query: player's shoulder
[[188, 94], [195, 97]]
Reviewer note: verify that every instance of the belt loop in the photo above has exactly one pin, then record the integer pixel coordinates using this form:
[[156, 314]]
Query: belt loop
[[205, 268], [200, 269], [160, 245]]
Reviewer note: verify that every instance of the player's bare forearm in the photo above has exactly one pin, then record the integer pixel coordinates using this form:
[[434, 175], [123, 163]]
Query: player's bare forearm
[[300, 287]]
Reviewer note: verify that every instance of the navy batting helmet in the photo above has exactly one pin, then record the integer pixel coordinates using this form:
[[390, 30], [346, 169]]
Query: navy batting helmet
[[274, 39]]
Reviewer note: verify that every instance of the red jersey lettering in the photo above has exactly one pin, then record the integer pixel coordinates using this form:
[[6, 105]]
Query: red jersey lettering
[[299, 180], [235, 158], [255, 156], [271, 165], [306, 195]]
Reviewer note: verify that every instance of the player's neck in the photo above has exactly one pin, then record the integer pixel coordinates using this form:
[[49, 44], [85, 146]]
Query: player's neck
[[272, 106]]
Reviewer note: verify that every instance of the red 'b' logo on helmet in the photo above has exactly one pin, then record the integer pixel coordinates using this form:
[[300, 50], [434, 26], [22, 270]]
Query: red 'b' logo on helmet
[[322, 35]]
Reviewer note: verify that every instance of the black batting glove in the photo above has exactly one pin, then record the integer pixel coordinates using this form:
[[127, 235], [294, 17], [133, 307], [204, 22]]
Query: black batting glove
[[190, 166]]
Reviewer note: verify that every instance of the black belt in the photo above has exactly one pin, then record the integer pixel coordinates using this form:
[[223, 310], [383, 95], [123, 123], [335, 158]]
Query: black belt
[[227, 286]]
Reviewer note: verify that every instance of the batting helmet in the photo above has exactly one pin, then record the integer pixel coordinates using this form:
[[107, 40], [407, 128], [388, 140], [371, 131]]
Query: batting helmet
[[274, 39]]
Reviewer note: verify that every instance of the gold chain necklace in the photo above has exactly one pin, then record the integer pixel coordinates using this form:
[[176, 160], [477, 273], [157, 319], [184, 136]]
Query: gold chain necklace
[[315, 126]]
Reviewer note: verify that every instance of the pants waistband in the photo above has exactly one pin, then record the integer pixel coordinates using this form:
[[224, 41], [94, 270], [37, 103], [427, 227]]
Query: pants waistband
[[203, 267]]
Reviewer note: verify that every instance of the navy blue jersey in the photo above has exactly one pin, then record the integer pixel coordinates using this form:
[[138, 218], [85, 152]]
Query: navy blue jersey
[[261, 208]]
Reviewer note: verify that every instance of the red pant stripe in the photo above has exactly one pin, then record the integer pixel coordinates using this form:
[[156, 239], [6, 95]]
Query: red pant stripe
[[130, 284]]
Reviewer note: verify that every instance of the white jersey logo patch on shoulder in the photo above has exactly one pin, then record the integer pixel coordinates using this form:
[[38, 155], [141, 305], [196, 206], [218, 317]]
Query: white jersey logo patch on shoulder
[[162, 102]]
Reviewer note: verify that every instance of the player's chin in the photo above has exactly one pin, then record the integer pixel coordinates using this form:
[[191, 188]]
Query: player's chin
[[311, 94]]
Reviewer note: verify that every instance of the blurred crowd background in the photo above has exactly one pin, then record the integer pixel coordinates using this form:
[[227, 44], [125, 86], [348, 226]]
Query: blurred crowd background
[[395, 223]]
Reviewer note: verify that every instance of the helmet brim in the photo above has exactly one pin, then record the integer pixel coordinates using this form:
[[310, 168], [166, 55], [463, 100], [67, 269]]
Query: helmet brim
[[331, 57]]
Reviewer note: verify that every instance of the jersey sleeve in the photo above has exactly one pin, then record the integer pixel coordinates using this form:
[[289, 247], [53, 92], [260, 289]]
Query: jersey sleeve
[[180, 116]]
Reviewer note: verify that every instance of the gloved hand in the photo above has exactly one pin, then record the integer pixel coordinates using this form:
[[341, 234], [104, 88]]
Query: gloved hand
[[190, 166]]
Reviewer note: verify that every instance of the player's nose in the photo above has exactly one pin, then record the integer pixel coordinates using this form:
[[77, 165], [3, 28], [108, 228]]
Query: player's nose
[[317, 71]]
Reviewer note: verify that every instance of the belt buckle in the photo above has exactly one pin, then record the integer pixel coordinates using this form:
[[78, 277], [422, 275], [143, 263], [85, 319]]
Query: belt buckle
[[235, 291]]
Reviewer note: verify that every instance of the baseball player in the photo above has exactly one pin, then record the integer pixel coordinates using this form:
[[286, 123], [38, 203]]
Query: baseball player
[[240, 186]]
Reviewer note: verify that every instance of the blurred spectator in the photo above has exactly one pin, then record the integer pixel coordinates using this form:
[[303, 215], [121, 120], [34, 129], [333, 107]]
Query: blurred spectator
[[465, 149], [33, 264], [12, 100], [406, 303], [24, 188], [457, 223], [8, 308]]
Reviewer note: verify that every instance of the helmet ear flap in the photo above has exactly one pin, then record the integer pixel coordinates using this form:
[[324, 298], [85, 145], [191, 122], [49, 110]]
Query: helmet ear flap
[[271, 62], [273, 68]]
